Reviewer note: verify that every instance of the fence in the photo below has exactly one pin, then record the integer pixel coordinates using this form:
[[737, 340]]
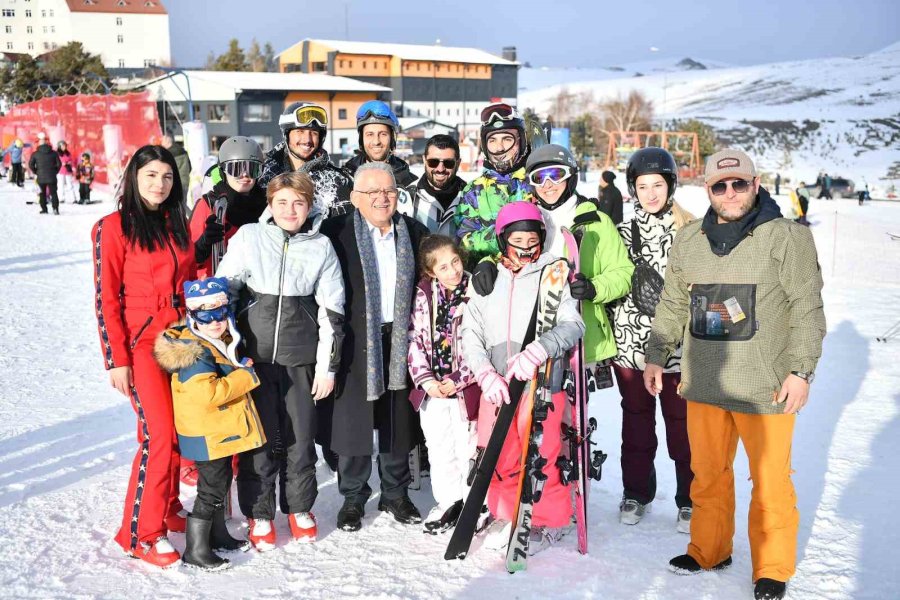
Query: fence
[[110, 128]]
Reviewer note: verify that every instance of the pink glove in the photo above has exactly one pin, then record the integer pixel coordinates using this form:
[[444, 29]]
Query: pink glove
[[523, 365], [493, 387]]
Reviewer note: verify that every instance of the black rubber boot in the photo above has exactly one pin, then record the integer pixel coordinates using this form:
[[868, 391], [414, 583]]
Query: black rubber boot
[[769, 589], [219, 536], [196, 551]]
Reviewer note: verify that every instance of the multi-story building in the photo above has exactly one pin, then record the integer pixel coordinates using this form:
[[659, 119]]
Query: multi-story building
[[448, 85], [244, 103], [127, 34]]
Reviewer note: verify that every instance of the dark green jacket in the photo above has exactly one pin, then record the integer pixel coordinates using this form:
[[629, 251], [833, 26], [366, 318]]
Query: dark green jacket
[[747, 318]]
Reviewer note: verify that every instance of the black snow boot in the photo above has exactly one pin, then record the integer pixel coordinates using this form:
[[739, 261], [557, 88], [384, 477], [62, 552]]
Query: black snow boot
[[196, 551], [769, 589], [686, 564], [446, 521], [220, 538]]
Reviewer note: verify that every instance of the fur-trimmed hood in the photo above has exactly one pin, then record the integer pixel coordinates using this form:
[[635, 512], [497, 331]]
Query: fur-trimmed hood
[[177, 348]]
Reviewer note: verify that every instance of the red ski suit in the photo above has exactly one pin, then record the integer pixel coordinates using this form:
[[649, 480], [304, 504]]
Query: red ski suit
[[137, 295]]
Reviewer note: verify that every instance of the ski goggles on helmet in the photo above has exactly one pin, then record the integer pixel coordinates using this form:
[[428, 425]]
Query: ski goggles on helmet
[[497, 112], [239, 168], [375, 109], [212, 315], [738, 185], [555, 174], [305, 116]]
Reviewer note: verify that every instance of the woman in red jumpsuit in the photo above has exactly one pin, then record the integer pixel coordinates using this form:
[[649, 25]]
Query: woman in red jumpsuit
[[142, 257]]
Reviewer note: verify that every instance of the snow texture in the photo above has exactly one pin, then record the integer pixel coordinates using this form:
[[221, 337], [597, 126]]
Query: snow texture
[[67, 440]]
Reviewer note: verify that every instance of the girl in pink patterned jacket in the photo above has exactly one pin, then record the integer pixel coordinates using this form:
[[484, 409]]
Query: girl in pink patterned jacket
[[445, 392]]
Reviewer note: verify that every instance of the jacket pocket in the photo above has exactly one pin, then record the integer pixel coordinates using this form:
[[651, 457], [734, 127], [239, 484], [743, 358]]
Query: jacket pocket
[[140, 332], [723, 312]]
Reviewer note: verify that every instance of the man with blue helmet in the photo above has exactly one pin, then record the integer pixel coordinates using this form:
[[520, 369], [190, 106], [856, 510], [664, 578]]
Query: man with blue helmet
[[378, 128]]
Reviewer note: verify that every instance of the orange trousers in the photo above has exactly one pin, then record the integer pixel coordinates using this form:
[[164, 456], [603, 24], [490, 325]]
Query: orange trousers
[[773, 520]]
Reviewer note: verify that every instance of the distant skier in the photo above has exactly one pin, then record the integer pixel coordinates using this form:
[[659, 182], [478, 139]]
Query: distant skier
[[777, 184], [610, 198]]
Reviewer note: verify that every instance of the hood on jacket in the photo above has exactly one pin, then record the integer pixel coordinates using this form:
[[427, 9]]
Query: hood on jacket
[[725, 237], [177, 348]]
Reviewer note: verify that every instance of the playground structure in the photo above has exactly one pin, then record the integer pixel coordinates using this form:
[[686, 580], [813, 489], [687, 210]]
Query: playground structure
[[683, 145]]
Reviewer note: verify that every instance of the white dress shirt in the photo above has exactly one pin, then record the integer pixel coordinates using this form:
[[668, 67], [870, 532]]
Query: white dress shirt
[[386, 257]]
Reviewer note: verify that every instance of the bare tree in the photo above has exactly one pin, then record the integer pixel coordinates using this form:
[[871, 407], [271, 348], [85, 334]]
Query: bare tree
[[631, 113]]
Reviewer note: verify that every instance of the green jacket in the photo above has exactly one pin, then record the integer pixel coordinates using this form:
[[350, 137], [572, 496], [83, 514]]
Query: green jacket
[[747, 318], [604, 260]]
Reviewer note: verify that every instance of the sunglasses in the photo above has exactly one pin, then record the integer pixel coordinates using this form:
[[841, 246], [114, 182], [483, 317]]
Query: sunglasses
[[239, 168], [554, 175], [494, 112], [433, 163], [738, 185], [306, 116], [211, 315]]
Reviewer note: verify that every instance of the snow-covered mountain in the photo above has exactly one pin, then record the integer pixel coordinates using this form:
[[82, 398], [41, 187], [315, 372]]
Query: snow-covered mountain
[[837, 114]]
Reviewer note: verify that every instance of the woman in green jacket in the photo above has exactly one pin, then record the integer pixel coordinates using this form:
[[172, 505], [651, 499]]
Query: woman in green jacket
[[605, 269]]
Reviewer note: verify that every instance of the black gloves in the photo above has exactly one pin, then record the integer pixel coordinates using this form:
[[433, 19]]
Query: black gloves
[[484, 277], [212, 234], [582, 288]]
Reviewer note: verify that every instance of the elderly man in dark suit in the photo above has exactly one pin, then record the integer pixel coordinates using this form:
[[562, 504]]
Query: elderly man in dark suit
[[377, 249]]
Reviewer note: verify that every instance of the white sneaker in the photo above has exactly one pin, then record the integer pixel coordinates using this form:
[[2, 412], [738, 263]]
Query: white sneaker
[[684, 519], [631, 511], [496, 535]]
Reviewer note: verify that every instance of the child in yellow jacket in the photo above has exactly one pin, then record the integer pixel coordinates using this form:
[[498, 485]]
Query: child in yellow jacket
[[215, 417]]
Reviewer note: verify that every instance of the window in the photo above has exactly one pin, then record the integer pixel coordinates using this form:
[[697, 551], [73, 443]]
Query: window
[[341, 63], [31, 45], [53, 29], [350, 63], [51, 12], [364, 64], [118, 20], [9, 12], [53, 46], [46, 46], [257, 113], [45, 29], [9, 29], [418, 67], [29, 29], [342, 113], [318, 67], [121, 60], [43, 14], [342, 142], [9, 46], [148, 62], [28, 13], [218, 113], [120, 38]]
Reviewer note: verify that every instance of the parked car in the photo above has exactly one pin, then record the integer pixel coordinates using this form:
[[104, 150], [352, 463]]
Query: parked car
[[840, 188]]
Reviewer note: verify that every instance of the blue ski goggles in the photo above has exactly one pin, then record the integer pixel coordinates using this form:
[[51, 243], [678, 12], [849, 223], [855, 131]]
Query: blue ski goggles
[[207, 316], [376, 109]]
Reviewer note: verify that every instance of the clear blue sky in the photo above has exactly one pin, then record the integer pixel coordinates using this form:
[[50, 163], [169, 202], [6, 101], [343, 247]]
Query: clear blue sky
[[552, 32]]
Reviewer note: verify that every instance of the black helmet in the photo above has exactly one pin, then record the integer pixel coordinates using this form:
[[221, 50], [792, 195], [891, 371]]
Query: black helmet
[[649, 161]]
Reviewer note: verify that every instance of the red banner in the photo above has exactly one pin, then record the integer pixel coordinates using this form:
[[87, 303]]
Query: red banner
[[110, 128]]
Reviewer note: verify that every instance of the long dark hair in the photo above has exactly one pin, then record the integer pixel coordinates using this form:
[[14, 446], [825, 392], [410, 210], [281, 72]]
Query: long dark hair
[[138, 223]]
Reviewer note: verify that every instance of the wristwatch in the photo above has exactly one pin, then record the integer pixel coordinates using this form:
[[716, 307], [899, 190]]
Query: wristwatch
[[808, 377]]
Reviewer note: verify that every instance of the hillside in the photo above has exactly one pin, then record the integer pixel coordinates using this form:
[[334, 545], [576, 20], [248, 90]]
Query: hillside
[[837, 114]]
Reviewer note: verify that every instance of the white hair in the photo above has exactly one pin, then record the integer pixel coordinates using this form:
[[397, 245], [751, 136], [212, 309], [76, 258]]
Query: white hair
[[374, 166]]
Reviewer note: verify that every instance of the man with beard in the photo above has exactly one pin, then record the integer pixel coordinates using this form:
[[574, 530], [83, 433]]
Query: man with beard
[[378, 128], [304, 126], [434, 198], [746, 283], [503, 181]]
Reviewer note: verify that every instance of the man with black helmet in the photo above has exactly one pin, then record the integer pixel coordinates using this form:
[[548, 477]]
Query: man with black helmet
[[505, 149], [743, 291], [378, 128], [304, 126]]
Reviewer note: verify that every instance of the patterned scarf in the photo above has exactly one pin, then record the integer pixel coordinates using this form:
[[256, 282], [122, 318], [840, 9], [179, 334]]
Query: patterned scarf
[[406, 274], [445, 303]]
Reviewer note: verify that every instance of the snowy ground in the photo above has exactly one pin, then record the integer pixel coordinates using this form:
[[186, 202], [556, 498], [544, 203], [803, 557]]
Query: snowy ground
[[67, 439]]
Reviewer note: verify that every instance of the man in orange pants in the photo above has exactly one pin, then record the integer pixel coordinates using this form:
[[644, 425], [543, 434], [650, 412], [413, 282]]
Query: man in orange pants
[[743, 293]]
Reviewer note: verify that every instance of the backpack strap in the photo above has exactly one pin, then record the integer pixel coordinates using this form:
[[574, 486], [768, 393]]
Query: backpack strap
[[635, 239]]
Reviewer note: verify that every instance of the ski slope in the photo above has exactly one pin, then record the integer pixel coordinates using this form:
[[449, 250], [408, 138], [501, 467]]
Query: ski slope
[[67, 440]]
